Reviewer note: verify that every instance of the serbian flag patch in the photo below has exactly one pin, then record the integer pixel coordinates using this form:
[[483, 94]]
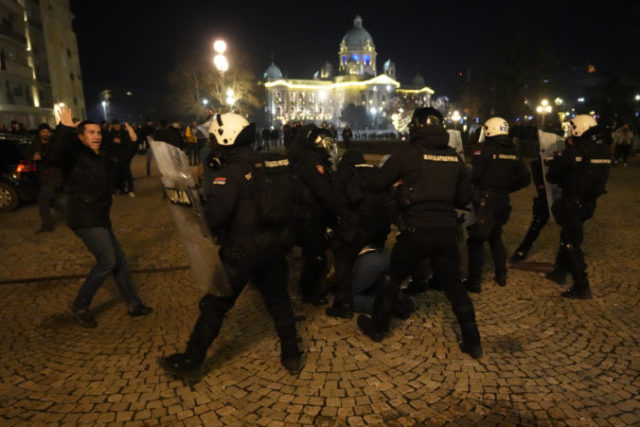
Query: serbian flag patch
[[219, 180]]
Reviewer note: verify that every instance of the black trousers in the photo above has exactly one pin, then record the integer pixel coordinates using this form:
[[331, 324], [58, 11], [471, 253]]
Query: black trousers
[[440, 247], [492, 212], [310, 236], [345, 255], [540, 218], [270, 272], [570, 214]]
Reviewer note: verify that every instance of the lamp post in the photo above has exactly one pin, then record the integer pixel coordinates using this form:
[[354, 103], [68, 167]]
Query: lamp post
[[104, 110], [543, 109], [219, 60], [455, 118]]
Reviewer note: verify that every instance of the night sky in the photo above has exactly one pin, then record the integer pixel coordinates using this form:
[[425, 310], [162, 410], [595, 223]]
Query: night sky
[[134, 44]]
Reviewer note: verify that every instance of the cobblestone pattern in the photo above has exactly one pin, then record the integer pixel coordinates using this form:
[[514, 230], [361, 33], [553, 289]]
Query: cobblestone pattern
[[547, 360]]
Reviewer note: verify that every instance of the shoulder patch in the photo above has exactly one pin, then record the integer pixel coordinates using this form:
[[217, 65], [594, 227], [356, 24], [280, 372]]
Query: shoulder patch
[[220, 180], [320, 169], [477, 152]]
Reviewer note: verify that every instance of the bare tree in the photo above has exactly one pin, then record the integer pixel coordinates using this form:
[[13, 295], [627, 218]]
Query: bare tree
[[196, 79]]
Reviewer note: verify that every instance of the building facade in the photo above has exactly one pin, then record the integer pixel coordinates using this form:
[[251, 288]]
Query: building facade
[[36, 44], [325, 96]]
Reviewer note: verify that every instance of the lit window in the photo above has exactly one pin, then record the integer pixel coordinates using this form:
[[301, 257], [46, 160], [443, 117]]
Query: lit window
[[344, 60], [367, 59], [356, 57]]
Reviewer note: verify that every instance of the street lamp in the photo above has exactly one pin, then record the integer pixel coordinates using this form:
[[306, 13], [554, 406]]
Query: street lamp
[[104, 110], [231, 97], [455, 118], [543, 109]]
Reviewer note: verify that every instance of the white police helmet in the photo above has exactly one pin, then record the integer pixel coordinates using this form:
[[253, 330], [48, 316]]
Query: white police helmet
[[226, 127], [581, 123], [496, 126]]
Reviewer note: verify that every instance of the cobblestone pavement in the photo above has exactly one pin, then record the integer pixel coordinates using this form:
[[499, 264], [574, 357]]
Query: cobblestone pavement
[[547, 360]]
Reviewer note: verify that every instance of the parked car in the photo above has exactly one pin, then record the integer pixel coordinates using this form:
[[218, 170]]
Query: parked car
[[18, 177]]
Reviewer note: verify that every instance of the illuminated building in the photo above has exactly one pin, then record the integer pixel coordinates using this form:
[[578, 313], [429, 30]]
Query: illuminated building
[[39, 64], [357, 82]]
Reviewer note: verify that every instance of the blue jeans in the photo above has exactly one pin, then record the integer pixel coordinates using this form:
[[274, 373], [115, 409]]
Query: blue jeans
[[110, 259], [367, 270]]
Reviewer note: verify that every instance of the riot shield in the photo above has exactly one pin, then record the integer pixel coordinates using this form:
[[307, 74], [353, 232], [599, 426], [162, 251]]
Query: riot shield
[[549, 144], [180, 189], [455, 142]]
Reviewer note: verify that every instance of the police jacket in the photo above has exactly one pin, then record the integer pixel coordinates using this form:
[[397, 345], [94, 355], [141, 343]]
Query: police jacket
[[369, 211], [433, 178], [582, 169], [495, 164], [87, 177], [317, 199], [231, 208]]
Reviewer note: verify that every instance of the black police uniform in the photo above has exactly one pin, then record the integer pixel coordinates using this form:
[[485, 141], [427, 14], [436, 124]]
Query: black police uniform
[[316, 209], [540, 211], [249, 251], [581, 171], [495, 168], [369, 224], [435, 182]]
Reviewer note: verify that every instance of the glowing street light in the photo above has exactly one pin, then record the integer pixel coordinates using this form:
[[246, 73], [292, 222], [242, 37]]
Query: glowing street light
[[220, 46], [637, 98], [205, 101], [221, 63], [104, 109], [543, 109], [231, 97]]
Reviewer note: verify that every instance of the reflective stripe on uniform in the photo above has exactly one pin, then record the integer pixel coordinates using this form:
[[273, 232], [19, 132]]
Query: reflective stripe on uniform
[[438, 158], [601, 161]]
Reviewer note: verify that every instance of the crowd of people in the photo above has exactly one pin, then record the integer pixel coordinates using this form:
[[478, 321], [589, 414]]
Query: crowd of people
[[339, 210]]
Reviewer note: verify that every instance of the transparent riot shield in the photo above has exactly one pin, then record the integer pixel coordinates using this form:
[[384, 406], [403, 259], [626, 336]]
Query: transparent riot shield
[[180, 189], [455, 142], [549, 144]]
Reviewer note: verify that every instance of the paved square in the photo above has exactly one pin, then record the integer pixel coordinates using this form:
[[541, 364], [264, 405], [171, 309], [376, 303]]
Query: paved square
[[547, 360]]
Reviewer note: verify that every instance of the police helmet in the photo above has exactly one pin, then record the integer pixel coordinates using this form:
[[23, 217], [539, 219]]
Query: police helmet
[[425, 116], [496, 126], [581, 123], [320, 137], [231, 129]]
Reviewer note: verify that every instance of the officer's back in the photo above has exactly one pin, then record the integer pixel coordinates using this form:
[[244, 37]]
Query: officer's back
[[433, 178]]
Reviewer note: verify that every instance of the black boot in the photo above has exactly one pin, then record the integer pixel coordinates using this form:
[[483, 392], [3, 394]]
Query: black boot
[[341, 309], [368, 328], [501, 277], [579, 290], [403, 307], [471, 285], [518, 255], [471, 340], [559, 272], [290, 355], [189, 362]]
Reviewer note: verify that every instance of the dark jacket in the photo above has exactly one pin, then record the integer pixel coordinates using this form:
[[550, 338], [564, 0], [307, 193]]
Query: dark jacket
[[369, 212], [169, 135], [87, 180], [232, 207], [313, 168], [495, 163], [434, 180], [582, 169], [119, 147]]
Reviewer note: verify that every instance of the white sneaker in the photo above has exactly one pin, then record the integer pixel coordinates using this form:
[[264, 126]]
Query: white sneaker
[[132, 194]]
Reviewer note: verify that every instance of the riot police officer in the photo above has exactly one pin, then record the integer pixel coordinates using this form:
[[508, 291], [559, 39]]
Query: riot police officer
[[317, 208], [433, 182], [496, 172], [581, 170], [250, 250], [369, 218]]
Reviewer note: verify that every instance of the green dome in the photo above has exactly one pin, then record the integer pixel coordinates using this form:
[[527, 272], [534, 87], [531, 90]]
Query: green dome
[[356, 38]]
